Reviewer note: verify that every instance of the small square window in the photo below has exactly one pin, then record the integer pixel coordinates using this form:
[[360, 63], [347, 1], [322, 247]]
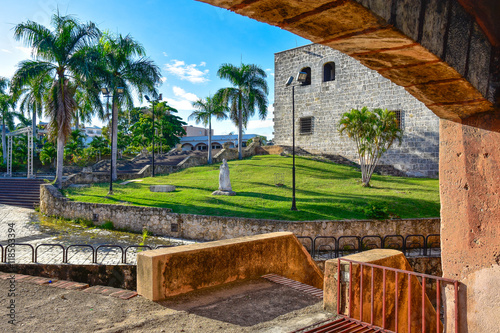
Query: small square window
[[306, 125]]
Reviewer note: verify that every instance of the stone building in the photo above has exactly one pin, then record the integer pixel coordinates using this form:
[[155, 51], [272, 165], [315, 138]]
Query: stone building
[[337, 83]]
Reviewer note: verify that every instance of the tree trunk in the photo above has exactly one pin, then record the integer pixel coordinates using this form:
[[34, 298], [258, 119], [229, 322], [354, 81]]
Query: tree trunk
[[60, 159], [114, 126], [240, 134], [77, 121], [4, 143], [210, 140]]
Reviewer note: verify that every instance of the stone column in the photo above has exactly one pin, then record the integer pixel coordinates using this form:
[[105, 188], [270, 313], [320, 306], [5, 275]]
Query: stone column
[[469, 171]]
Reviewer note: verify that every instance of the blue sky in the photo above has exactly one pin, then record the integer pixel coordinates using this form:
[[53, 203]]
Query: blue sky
[[187, 39]]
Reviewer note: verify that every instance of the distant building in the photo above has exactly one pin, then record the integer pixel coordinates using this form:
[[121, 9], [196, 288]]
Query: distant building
[[196, 131], [201, 142]]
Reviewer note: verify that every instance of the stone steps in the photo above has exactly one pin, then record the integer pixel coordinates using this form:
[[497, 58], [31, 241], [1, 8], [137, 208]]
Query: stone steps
[[20, 192]]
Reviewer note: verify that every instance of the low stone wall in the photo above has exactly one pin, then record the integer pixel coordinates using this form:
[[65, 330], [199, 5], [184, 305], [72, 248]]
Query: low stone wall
[[162, 221], [117, 276], [203, 265]]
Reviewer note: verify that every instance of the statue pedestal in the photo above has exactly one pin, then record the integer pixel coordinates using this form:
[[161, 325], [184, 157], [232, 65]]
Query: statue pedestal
[[219, 192]]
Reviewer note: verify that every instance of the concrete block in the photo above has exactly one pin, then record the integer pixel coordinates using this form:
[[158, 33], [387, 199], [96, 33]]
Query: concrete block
[[172, 271], [162, 188]]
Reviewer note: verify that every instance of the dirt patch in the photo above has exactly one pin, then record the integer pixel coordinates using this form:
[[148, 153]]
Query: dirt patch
[[251, 306]]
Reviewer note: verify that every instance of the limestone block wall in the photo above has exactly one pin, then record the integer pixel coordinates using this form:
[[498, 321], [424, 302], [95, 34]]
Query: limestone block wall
[[162, 221], [354, 86]]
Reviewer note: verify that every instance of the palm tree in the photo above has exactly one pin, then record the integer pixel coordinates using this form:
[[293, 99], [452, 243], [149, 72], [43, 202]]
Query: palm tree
[[6, 104], [31, 96], [66, 55], [212, 106], [249, 90], [373, 132], [125, 67]]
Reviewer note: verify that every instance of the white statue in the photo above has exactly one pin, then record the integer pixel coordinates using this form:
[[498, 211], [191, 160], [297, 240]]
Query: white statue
[[224, 181]]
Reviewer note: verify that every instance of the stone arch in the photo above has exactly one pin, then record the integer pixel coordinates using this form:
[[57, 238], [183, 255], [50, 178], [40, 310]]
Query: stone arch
[[329, 71], [201, 146], [436, 50], [216, 145], [308, 71], [187, 147], [447, 55]]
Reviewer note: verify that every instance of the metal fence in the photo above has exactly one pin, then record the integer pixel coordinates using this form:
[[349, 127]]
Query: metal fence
[[94, 251], [329, 247]]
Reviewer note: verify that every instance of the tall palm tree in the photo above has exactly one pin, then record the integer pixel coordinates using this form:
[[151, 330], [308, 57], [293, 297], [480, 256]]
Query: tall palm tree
[[249, 91], [66, 55], [205, 110], [6, 104], [127, 68], [31, 96]]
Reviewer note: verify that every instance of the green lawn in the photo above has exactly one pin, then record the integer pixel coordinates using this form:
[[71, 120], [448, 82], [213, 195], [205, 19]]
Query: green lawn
[[325, 191]]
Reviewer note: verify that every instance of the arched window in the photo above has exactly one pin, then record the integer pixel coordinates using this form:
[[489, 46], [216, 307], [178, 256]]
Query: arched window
[[329, 72], [308, 77]]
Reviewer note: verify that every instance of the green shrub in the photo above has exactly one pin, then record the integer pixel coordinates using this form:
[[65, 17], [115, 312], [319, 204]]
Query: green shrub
[[377, 210]]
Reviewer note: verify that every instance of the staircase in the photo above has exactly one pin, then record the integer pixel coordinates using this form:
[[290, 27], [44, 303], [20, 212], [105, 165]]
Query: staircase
[[20, 192]]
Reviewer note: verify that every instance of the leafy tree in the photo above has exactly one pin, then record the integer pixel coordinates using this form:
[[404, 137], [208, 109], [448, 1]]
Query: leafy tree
[[168, 127], [6, 113], [65, 54], [99, 142], [48, 153], [373, 132], [249, 91], [205, 110], [74, 146], [30, 95], [125, 66]]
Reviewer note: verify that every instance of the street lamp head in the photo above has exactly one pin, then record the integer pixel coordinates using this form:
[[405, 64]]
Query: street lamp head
[[160, 97], [147, 98], [289, 81], [301, 77], [120, 90], [105, 91]]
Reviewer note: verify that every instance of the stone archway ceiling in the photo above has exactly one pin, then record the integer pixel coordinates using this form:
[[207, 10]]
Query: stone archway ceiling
[[435, 49]]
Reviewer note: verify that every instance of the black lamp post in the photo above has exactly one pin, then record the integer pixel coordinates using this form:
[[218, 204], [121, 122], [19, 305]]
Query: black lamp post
[[301, 77], [106, 93], [153, 102]]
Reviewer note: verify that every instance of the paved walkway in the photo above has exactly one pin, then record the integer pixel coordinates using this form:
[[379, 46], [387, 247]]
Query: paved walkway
[[27, 232]]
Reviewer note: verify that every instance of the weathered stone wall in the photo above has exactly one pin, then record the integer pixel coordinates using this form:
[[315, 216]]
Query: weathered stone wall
[[354, 86], [161, 221], [117, 276]]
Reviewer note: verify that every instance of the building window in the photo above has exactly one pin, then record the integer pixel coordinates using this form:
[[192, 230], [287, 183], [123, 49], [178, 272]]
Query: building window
[[306, 125], [399, 118], [307, 70], [329, 72]]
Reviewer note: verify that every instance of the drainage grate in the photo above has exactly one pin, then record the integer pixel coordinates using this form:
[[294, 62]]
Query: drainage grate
[[294, 284]]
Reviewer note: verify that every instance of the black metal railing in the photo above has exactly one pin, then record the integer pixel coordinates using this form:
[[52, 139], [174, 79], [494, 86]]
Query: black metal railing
[[329, 247], [93, 251]]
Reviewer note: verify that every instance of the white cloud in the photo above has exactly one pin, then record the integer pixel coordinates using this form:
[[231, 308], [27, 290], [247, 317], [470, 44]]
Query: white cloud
[[178, 91], [25, 50], [203, 64], [184, 100], [165, 54], [187, 72], [6, 51], [268, 69], [163, 79]]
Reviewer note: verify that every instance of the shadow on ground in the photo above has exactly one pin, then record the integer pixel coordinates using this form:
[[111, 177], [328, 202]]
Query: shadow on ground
[[244, 304]]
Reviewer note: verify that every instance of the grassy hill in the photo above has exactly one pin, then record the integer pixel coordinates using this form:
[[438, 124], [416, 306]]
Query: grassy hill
[[324, 191]]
